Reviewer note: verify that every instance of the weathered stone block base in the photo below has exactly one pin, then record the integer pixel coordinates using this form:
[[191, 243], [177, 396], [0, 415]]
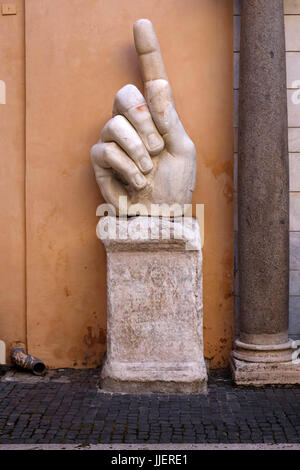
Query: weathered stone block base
[[268, 373], [154, 378], [154, 307]]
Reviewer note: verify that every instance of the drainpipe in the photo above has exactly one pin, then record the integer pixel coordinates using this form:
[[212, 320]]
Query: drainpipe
[[25, 361]]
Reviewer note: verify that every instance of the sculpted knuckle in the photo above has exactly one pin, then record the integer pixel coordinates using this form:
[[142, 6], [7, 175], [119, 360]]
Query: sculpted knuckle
[[159, 87], [115, 124], [127, 97], [190, 146], [136, 148], [124, 92], [118, 119], [110, 125], [118, 96], [129, 88], [105, 152], [94, 153], [162, 84], [132, 173]]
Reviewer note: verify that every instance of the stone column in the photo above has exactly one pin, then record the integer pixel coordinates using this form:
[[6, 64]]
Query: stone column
[[154, 307], [263, 353]]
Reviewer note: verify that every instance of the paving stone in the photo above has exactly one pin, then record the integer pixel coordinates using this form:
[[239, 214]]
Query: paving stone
[[75, 412]]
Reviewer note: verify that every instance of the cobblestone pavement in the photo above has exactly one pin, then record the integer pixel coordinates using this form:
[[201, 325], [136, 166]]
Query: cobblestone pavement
[[67, 407]]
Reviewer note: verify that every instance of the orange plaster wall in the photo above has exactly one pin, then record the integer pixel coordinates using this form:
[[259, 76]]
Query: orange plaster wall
[[78, 54], [12, 168]]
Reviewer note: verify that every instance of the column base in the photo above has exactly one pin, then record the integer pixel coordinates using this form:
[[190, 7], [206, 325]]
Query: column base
[[263, 352], [147, 377], [260, 365], [259, 374]]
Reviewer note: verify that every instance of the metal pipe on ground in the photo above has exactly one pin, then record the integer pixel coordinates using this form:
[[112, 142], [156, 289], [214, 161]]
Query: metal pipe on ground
[[25, 361]]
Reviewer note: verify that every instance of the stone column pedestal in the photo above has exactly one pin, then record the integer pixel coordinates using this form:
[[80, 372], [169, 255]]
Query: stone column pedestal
[[259, 365], [154, 306]]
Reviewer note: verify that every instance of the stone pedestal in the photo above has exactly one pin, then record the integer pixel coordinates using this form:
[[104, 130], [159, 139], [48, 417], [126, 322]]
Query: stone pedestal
[[154, 307]]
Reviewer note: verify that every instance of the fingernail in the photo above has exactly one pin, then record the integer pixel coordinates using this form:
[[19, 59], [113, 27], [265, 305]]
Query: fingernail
[[139, 180], [154, 141], [146, 164]]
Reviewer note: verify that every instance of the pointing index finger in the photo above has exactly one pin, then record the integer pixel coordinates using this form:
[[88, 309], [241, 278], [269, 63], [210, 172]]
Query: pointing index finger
[[148, 50]]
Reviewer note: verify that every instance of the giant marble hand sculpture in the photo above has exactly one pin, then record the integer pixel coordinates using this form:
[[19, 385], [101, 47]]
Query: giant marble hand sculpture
[[144, 152]]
